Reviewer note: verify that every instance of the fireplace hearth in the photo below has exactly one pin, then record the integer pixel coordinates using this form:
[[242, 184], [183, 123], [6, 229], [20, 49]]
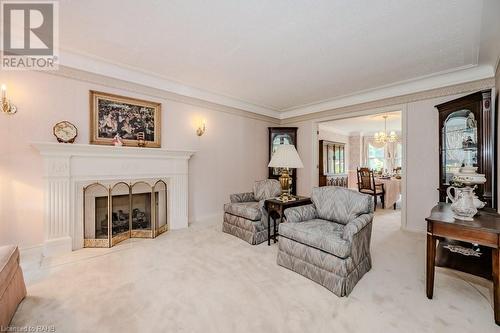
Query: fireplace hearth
[[115, 212]]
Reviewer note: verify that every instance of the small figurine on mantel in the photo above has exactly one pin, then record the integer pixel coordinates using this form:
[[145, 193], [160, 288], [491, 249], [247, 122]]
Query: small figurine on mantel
[[141, 141], [117, 140]]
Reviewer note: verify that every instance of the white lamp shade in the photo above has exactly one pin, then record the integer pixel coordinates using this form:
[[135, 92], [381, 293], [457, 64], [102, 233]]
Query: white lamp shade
[[285, 156]]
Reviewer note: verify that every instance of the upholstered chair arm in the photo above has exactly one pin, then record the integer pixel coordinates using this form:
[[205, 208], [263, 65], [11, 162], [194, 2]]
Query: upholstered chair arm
[[358, 232], [242, 197], [356, 225], [301, 213]]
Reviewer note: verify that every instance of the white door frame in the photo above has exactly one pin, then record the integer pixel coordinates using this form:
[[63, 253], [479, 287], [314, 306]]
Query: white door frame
[[404, 126]]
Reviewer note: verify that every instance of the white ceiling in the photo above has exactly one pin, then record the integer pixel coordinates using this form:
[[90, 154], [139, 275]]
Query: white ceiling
[[268, 56], [365, 124]]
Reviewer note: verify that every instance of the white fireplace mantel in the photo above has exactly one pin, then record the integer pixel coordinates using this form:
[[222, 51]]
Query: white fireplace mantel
[[69, 167]]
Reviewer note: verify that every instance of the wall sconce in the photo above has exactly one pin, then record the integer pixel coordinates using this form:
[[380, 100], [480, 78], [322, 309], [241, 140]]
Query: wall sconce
[[201, 129], [7, 107]]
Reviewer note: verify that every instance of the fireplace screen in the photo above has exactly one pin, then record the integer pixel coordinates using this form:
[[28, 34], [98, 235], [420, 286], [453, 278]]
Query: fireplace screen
[[120, 211]]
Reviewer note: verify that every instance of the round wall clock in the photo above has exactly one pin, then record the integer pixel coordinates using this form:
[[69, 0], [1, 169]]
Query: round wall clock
[[65, 132]]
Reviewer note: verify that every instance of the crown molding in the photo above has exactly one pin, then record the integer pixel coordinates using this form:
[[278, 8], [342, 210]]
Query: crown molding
[[135, 88], [397, 101], [435, 81], [92, 64], [99, 71]]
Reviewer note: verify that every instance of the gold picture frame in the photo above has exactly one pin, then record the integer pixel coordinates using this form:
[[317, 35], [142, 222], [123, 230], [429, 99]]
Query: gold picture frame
[[128, 117]]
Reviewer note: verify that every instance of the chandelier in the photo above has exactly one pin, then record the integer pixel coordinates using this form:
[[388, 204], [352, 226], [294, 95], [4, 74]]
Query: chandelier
[[383, 136]]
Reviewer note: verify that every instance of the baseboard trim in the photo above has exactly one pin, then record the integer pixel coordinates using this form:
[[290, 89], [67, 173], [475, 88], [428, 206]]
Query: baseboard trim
[[30, 250], [56, 246]]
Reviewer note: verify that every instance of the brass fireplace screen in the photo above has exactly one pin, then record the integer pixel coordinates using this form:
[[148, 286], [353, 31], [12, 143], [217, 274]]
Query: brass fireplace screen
[[116, 212]]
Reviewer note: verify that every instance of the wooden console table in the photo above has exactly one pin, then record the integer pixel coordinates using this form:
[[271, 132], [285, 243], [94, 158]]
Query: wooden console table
[[483, 230]]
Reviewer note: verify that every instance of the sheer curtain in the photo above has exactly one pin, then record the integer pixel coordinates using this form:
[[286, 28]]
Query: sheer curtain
[[392, 158]]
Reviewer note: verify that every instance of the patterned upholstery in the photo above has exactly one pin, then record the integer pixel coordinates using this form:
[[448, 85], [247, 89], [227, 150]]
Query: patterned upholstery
[[331, 245], [321, 234], [300, 213], [248, 210], [242, 197], [252, 232], [265, 189], [340, 205], [245, 216]]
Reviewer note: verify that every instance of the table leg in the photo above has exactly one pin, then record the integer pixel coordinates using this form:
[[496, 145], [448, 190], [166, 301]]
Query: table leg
[[268, 228], [274, 229], [496, 281], [431, 258]]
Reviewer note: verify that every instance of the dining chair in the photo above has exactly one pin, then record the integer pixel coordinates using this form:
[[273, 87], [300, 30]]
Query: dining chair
[[367, 185]]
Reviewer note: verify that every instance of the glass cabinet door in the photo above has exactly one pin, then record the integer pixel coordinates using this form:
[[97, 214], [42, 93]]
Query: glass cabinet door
[[459, 143], [277, 140]]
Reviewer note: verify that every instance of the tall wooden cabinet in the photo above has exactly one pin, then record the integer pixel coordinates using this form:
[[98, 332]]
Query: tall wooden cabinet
[[467, 136], [279, 136]]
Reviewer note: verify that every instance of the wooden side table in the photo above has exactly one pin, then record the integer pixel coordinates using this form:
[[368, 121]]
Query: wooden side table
[[483, 230], [277, 208]]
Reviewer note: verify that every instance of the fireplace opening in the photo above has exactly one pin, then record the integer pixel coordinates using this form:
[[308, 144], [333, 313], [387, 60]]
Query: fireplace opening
[[121, 211], [120, 215]]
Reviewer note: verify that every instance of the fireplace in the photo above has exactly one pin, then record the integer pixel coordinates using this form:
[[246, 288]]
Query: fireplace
[[118, 211], [68, 168]]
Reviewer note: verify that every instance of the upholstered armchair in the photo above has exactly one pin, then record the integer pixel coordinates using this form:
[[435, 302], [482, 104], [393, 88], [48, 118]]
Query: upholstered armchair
[[328, 241], [245, 216]]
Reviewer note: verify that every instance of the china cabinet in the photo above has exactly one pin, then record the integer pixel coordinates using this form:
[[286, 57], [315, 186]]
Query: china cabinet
[[332, 170], [279, 136], [466, 138]]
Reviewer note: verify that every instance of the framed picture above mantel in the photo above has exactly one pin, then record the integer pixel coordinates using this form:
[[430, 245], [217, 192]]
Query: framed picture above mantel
[[132, 121]]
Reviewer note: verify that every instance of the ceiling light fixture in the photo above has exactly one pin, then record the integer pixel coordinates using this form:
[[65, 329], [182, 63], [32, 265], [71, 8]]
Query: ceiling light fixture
[[383, 136]]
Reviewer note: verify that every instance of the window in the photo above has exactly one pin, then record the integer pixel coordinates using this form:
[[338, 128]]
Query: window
[[335, 158], [376, 157]]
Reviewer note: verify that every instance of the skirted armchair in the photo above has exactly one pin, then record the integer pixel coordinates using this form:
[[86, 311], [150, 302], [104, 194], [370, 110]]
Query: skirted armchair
[[328, 241], [245, 216]]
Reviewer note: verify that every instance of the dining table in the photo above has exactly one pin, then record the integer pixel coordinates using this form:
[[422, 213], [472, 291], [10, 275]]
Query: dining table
[[392, 188]]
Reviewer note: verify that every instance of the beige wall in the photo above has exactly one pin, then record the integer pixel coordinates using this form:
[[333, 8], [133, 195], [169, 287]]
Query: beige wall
[[231, 154], [355, 158]]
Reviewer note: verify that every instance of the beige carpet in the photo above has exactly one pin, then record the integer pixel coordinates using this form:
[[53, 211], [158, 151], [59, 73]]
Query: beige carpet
[[202, 280]]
